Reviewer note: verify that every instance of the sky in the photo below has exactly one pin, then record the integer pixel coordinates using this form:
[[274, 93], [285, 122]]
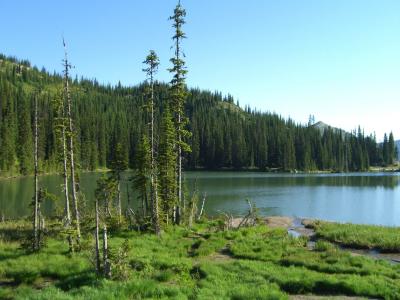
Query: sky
[[338, 60]]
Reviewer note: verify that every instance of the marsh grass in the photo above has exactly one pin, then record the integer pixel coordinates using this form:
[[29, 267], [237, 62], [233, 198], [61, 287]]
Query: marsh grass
[[184, 264], [385, 239]]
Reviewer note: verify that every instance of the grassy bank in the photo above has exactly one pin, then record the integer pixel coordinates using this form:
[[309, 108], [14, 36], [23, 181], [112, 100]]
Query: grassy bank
[[385, 239], [201, 263]]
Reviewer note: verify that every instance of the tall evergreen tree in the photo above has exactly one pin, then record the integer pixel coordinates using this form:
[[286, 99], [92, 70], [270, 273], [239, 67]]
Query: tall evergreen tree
[[385, 150], [391, 149], [178, 97], [167, 166], [8, 130], [25, 143], [152, 63], [36, 242]]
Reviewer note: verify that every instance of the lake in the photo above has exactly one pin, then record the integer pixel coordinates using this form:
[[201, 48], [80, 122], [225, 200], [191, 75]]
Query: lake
[[364, 198]]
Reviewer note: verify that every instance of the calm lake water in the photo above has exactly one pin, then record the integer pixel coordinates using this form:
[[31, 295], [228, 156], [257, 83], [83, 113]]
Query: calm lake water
[[365, 198]]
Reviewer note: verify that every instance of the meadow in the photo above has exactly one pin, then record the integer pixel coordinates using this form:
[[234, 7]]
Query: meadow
[[202, 262]]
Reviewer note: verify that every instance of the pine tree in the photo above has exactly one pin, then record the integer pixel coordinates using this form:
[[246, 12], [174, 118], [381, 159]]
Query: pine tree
[[391, 149], [178, 97], [167, 166], [152, 63], [385, 150], [36, 242], [8, 130], [25, 143]]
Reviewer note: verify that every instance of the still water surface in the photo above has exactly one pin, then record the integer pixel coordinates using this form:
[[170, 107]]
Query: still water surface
[[365, 198]]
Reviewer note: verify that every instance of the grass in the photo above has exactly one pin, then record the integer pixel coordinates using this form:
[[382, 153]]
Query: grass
[[201, 263], [385, 239]]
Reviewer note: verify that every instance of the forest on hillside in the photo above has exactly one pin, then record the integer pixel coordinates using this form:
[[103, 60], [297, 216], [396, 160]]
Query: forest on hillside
[[224, 136]]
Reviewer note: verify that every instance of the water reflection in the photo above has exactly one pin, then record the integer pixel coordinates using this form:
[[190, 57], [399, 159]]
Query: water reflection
[[359, 197]]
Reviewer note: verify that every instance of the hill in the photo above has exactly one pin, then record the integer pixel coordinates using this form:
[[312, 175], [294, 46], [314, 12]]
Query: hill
[[322, 127], [224, 136]]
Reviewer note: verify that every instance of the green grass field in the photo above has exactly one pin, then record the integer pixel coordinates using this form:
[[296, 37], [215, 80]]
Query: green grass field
[[201, 263], [386, 239]]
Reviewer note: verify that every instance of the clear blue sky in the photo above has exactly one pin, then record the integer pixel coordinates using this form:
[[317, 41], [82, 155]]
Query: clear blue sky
[[336, 59]]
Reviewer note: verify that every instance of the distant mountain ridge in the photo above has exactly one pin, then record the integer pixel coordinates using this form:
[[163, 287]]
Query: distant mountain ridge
[[321, 126]]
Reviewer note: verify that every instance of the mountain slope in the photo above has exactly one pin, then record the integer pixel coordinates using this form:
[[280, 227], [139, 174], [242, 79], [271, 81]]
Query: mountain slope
[[223, 134]]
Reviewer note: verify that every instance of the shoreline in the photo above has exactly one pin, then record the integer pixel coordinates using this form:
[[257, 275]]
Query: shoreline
[[306, 228], [249, 170]]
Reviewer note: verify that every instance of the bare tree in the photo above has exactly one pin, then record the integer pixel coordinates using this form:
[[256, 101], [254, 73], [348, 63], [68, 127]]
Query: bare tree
[[97, 250], [67, 95], [106, 261], [60, 130], [36, 242], [202, 206]]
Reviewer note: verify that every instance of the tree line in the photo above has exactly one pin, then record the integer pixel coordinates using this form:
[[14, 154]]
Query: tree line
[[223, 134]]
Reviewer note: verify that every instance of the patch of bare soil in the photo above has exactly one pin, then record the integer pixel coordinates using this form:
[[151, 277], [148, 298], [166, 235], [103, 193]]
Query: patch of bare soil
[[309, 223], [235, 222], [223, 255], [276, 221]]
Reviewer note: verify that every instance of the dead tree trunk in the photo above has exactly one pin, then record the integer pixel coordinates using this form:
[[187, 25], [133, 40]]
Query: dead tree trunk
[[67, 211], [65, 178], [106, 261], [144, 213], [67, 66], [202, 206], [96, 236], [128, 196], [119, 200], [107, 210], [36, 183]]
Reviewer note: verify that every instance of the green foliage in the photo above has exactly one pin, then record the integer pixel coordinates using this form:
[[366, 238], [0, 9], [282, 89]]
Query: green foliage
[[178, 92], [224, 135], [120, 262], [141, 178], [201, 263], [233, 283], [25, 140], [360, 236], [152, 61], [106, 193], [167, 166], [119, 162]]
